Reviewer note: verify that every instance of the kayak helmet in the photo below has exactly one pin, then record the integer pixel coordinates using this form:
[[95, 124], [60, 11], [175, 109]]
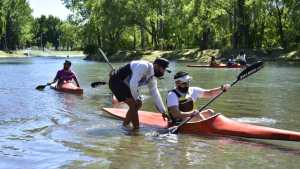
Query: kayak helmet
[[182, 77]]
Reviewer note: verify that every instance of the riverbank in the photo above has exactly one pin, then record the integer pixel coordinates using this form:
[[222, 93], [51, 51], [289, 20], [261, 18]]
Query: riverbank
[[202, 56], [40, 53]]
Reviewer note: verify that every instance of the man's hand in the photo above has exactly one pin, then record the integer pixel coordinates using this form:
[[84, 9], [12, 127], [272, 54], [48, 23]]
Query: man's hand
[[138, 103], [165, 116], [225, 87], [194, 113]]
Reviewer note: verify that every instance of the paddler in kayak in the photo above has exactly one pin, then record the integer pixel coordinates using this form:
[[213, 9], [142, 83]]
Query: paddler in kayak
[[213, 61], [181, 100], [65, 75], [125, 81], [242, 58]]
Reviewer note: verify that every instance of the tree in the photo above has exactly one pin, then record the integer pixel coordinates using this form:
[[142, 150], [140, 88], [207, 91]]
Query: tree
[[16, 21], [68, 38], [171, 24]]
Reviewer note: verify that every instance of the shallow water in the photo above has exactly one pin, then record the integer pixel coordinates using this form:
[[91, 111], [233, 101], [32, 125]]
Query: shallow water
[[48, 129]]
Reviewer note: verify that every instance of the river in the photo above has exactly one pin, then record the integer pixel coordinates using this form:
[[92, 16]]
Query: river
[[48, 129]]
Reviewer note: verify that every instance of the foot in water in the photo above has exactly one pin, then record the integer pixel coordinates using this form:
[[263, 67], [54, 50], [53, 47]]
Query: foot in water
[[128, 127]]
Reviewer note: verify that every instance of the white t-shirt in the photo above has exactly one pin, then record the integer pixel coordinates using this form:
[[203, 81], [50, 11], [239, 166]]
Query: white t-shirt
[[194, 93], [143, 74]]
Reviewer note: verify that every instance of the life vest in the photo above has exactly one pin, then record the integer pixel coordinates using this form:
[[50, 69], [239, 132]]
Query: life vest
[[123, 72], [185, 105]]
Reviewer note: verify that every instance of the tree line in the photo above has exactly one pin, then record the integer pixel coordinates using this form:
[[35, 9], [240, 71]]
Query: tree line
[[19, 29], [176, 24], [154, 24]]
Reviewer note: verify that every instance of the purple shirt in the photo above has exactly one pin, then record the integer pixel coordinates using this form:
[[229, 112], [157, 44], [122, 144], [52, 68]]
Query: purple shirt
[[63, 75]]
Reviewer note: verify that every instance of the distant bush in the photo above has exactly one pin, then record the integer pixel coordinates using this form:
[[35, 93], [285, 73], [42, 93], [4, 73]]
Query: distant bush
[[90, 50]]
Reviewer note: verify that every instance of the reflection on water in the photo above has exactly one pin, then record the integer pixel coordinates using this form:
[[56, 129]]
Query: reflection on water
[[48, 129]]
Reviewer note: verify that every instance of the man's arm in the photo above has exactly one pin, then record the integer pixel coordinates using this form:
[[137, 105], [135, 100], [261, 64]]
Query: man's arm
[[176, 113], [137, 75], [76, 81], [156, 95], [215, 91], [54, 80]]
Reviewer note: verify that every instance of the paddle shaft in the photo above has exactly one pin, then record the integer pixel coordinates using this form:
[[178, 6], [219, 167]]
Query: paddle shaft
[[105, 58], [94, 84]]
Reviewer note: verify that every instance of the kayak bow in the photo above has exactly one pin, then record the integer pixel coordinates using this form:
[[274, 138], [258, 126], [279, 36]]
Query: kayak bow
[[68, 88], [213, 125]]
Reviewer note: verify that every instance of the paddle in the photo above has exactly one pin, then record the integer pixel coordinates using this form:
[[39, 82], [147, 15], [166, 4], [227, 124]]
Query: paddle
[[95, 84], [243, 75], [106, 59], [42, 87]]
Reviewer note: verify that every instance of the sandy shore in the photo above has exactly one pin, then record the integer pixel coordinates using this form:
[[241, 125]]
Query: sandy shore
[[40, 53]]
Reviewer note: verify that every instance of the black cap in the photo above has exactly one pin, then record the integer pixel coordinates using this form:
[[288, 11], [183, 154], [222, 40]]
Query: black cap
[[163, 63], [67, 62], [180, 74]]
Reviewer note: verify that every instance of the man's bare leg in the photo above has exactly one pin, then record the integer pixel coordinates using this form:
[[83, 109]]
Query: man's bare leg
[[132, 114]]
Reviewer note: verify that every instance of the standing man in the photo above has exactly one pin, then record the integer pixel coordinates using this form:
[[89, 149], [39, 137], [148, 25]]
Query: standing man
[[125, 81], [181, 100]]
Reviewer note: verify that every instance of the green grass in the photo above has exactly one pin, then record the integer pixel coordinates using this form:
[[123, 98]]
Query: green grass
[[11, 54], [186, 55]]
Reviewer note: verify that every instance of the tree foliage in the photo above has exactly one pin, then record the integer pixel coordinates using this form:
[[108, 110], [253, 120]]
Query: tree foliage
[[15, 24], [169, 24], [155, 24]]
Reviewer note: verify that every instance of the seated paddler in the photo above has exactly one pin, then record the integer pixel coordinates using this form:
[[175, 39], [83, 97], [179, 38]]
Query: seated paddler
[[181, 100]]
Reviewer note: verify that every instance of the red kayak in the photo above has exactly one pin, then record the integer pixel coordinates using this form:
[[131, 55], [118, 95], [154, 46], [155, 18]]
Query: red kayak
[[213, 125], [217, 66], [68, 88]]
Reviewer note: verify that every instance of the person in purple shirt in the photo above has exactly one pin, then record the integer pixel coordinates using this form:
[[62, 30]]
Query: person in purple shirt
[[65, 75]]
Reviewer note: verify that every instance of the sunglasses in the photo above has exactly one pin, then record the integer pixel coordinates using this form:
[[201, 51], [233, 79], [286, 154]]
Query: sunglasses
[[185, 83]]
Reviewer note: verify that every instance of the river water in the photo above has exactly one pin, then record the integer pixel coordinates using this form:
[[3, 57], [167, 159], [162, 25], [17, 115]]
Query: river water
[[48, 129]]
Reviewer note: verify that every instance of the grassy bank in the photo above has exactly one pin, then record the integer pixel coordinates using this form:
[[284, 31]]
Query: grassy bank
[[202, 56], [40, 53]]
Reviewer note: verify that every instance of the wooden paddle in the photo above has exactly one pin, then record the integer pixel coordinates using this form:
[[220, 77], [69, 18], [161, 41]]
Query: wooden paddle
[[243, 75], [95, 84]]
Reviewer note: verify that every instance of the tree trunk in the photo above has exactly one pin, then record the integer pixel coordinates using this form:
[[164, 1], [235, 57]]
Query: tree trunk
[[279, 24], [235, 38], [134, 39], [142, 37]]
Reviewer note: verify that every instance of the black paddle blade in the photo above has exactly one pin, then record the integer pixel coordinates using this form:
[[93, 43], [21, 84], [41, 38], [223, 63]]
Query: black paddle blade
[[170, 130], [40, 87], [250, 70], [95, 84]]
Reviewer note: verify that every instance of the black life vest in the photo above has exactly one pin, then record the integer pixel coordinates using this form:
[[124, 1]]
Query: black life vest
[[185, 104], [123, 72]]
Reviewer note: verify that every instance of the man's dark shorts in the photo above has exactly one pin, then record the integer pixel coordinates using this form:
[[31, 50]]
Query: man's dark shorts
[[119, 88]]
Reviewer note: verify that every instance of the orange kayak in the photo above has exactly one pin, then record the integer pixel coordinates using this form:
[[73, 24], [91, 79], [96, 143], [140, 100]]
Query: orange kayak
[[217, 66], [68, 88], [213, 125]]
